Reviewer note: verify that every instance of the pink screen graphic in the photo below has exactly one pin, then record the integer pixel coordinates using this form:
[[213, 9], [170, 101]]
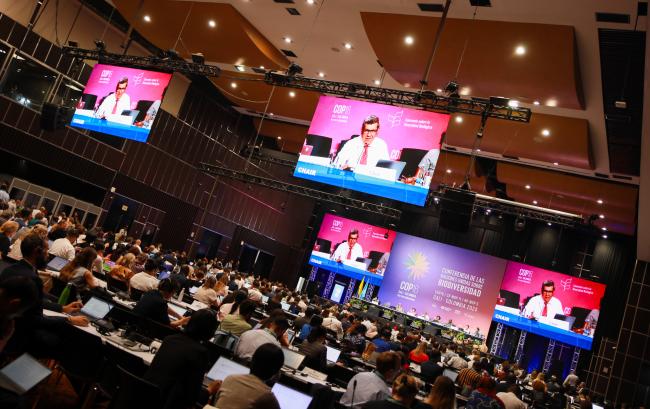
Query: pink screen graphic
[[335, 229], [142, 85], [572, 292], [340, 118]]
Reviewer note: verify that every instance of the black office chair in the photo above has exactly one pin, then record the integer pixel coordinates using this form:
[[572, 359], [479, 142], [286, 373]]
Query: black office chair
[[116, 285], [89, 101], [135, 294], [412, 157], [134, 392]]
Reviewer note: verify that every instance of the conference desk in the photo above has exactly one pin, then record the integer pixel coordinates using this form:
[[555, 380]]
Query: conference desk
[[390, 189], [346, 268], [91, 123]]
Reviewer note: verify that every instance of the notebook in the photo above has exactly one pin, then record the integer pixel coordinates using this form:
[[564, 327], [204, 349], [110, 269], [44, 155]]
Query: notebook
[[23, 374]]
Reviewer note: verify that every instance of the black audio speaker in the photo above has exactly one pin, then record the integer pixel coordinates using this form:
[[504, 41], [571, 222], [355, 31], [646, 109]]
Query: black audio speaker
[[456, 209], [54, 117]]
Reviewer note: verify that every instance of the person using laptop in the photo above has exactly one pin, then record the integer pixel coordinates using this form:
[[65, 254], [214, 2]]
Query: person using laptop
[[206, 293], [115, 103], [237, 323], [64, 247], [405, 389], [315, 350], [153, 305], [252, 391], [365, 150], [369, 386], [146, 280], [251, 340], [77, 272], [350, 249], [183, 353]]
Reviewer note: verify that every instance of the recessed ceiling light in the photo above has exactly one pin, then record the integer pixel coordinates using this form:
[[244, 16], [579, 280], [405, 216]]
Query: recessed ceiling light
[[448, 170], [348, 46], [601, 216], [310, 2], [279, 137], [439, 90], [458, 119], [240, 68], [551, 103], [534, 202], [409, 40], [527, 187], [292, 94], [513, 103], [465, 91], [478, 149], [147, 18], [233, 85], [271, 114], [599, 201], [549, 223], [212, 23], [377, 82], [556, 164], [604, 236], [520, 50], [321, 74], [407, 85], [287, 40], [261, 67], [535, 102], [604, 229], [546, 132]]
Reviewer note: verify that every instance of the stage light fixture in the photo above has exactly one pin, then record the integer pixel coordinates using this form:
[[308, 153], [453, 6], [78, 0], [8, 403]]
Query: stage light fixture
[[520, 224], [212, 23], [240, 68], [601, 216], [500, 101], [294, 69], [348, 46], [73, 44], [458, 119], [198, 58], [147, 18], [535, 102], [321, 74], [100, 45]]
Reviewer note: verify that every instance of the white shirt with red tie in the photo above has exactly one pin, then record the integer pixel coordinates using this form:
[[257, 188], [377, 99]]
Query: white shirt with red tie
[[535, 307], [112, 106], [343, 252], [352, 153]]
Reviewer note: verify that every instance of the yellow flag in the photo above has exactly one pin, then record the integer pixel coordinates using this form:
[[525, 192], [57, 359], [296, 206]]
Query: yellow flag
[[361, 287]]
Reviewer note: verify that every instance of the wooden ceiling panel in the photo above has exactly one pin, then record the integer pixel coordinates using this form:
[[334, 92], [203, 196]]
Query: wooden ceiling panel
[[546, 72]]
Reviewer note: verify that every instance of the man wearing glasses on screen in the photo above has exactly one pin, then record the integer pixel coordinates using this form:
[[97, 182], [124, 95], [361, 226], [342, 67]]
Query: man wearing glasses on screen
[[544, 305], [350, 249], [366, 150], [116, 102]]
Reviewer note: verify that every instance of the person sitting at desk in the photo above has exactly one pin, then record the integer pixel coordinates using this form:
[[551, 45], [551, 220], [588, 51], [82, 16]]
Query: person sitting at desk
[[333, 323], [206, 293], [405, 389], [123, 268], [369, 386], [382, 343], [354, 340], [231, 307], [484, 397], [78, 271], [7, 231], [544, 305], [365, 150], [316, 321], [63, 247], [153, 305], [115, 103], [315, 350], [183, 353], [419, 354], [237, 323], [182, 278], [272, 332], [146, 280], [458, 361], [431, 368], [442, 395], [252, 391], [350, 249]]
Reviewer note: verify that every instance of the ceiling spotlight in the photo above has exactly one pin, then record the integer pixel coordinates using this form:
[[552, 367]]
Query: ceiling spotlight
[[271, 114], [534, 202], [520, 50], [292, 94], [520, 223], [212, 23], [604, 236], [294, 69], [101, 46], [551, 103], [527, 187], [348, 46], [198, 58], [407, 85], [601, 216], [604, 229], [535, 102], [310, 2], [408, 40], [233, 85], [599, 201], [321, 74], [240, 68], [513, 103], [147, 18], [287, 40], [465, 91], [451, 87], [458, 119], [546, 132], [549, 223], [487, 212], [377, 82], [448, 170], [439, 90], [279, 137], [556, 164]]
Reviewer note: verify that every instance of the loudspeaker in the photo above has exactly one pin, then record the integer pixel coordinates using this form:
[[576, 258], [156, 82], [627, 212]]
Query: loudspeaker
[[456, 209], [54, 117]]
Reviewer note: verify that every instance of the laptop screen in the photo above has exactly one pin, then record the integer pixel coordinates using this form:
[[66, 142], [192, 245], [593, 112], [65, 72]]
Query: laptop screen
[[289, 398], [224, 367], [291, 334], [333, 354], [57, 263], [193, 290], [265, 299], [285, 306], [177, 308], [24, 373], [96, 308], [292, 359], [450, 374]]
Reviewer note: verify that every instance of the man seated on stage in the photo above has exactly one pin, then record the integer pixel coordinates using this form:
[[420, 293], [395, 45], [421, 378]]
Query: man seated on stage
[[366, 150], [117, 102], [350, 249], [544, 305]]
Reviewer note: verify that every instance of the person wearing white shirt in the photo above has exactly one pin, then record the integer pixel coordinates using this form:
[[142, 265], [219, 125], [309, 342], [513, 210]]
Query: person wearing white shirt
[[252, 339], [350, 249], [145, 281], [334, 324], [544, 305], [63, 247], [510, 400], [302, 304], [366, 150], [117, 102]]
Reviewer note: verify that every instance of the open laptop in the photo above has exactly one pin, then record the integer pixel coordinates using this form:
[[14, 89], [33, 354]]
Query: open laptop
[[289, 398], [285, 306], [265, 299], [193, 290], [223, 368], [96, 309], [450, 373], [395, 165], [332, 354], [178, 309], [23, 374], [291, 334], [57, 263], [292, 359]]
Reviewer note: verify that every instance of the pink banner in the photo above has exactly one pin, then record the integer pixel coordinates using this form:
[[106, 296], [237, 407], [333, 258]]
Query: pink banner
[[340, 118], [371, 238], [526, 281], [142, 84]]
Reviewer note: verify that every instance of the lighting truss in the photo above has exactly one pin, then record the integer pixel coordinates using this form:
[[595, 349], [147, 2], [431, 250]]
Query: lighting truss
[[300, 190], [268, 158], [426, 99], [148, 62]]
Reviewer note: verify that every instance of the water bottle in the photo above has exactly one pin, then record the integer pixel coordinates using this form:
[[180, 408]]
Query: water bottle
[[65, 294]]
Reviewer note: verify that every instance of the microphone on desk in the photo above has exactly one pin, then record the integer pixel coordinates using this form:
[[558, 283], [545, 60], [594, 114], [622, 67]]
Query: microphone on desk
[[354, 389]]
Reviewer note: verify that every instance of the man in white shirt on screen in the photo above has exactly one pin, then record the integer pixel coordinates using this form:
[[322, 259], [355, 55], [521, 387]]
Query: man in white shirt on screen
[[544, 305], [350, 249], [117, 102], [366, 150]]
